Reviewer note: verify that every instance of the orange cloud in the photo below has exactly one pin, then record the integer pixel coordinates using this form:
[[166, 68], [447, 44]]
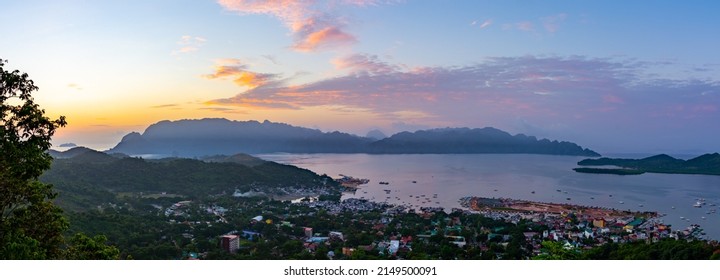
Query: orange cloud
[[327, 37], [240, 75]]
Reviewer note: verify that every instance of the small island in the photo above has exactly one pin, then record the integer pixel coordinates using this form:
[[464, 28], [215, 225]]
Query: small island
[[707, 164]]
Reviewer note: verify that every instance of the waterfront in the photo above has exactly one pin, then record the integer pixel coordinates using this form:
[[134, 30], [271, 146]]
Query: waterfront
[[441, 180]]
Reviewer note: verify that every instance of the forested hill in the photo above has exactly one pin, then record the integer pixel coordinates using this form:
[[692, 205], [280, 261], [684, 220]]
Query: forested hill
[[708, 164], [473, 141], [86, 178], [191, 138]]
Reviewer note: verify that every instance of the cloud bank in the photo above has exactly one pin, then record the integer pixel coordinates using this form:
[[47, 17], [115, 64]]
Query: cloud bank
[[551, 95]]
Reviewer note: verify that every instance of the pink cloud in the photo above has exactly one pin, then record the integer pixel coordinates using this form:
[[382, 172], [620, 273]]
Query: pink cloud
[[363, 63], [325, 38], [313, 25]]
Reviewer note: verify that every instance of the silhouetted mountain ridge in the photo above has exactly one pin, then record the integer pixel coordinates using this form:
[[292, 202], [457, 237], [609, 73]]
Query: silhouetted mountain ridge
[[708, 164], [193, 138]]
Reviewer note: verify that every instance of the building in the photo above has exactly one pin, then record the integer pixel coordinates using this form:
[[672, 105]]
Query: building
[[308, 232], [337, 234], [599, 223], [230, 243]]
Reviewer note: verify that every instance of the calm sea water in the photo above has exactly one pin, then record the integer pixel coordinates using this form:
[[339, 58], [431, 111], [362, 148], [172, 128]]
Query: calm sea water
[[440, 180]]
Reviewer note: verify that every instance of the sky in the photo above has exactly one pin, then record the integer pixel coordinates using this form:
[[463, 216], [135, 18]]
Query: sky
[[612, 76]]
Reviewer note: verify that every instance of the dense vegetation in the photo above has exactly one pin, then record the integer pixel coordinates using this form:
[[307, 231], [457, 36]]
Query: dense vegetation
[[708, 164], [87, 178]]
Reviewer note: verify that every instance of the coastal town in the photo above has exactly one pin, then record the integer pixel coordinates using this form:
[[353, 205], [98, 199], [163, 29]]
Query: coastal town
[[480, 228]]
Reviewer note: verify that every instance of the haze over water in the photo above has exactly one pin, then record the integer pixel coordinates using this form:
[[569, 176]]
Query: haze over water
[[517, 176]]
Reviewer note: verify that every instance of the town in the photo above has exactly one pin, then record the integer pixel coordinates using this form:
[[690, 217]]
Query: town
[[360, 229]]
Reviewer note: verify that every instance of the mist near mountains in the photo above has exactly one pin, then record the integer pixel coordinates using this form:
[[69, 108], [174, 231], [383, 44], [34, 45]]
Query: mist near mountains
[[204, 137]]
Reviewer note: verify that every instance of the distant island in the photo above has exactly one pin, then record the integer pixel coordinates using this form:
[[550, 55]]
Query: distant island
[[707, 164], [204, 137]]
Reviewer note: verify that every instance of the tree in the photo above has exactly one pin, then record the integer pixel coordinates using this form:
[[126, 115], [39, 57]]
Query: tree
[[82, 247], [31, 226]]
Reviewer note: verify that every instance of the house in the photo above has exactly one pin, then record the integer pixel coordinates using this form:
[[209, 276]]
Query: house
[[337, 235], [347, 251], [599, 223], [394, 246], [230, 243], [249, 234], [308, 232]]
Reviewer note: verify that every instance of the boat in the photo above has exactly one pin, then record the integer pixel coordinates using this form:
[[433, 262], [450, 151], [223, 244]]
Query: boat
[[532, 192], [414, 182], [697, 204], [622, 202]]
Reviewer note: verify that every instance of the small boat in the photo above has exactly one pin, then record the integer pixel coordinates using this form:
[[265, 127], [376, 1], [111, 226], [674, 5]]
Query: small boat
[[558, 190], [611, 195], [592, 197], [622, 202], [532, 192], [568, 198], [414, 182], [673, 207], [640, 205], [697, 204]]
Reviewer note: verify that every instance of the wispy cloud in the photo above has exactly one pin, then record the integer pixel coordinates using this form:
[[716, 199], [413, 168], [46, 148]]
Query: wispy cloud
[[313, 23], [74, 86], [224, 110], [483, 24], [525, 26], [363, 64], [238, 72], [164, 106], [188, 44], [552, 23]]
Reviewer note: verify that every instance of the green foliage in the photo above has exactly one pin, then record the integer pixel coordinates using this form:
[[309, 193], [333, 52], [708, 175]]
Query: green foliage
[[30, 225], [666, 249], [555, 251], [82, 247]]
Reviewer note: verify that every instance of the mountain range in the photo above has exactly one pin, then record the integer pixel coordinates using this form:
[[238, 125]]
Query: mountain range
[[204, 137]]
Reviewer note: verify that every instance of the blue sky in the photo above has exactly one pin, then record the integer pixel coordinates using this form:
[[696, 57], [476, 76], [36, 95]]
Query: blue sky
[[614, 76]]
